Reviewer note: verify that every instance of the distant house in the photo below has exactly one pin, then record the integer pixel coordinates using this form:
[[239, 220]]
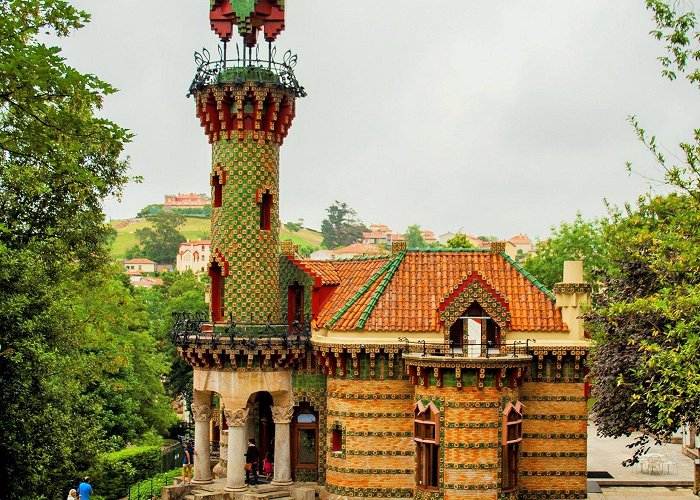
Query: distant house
[[522, 242], [140, 264], [138, 280], [378, 233], [428, 236], [322, 254], [186, 200], [358, 250], [193, 255]]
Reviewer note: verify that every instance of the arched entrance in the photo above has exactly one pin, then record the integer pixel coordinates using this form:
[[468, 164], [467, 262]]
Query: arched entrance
[[304, 443], [260, 424]]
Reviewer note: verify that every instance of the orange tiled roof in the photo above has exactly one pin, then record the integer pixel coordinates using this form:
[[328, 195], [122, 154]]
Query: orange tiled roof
[[139, 260], [520, 239], [404, 293], [323, 269]]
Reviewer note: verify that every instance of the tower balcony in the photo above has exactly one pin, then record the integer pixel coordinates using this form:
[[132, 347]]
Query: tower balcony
[[225, 345], [247, 66]]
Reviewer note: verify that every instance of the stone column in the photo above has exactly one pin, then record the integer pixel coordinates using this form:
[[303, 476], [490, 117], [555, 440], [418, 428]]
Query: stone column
[[237, 445], [201, 412], [282, 416]]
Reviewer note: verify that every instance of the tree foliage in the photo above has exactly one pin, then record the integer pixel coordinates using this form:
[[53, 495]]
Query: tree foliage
[[341, 227], [77, 362], [577, 240], [414, 237], [459, 240], [646, 322], [161, 241]]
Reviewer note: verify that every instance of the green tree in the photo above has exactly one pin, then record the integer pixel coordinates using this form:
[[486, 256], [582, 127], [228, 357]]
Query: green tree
[[58, 161], [341, 226], [414, 237], [577, 240], [161, 241], [150, 210], [646, 321], [294, 226], [459, 240]]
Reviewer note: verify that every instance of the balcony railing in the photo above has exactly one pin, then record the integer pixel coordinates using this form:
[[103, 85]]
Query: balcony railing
[[247, 66], [196, 329], [453, 350]]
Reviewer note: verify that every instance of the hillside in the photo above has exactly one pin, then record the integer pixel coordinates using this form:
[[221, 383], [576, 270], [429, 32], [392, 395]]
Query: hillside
[[196, 228]]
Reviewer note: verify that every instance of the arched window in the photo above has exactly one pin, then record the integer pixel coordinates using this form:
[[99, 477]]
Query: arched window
[[265, 211], [512, 436], [217, 292], [426, 434]]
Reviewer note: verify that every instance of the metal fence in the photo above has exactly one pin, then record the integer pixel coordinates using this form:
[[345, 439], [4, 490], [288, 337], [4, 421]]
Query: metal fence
[[468, 350]]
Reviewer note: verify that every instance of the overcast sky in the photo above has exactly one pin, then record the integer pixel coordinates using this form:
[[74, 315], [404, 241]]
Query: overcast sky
[[489, 117]]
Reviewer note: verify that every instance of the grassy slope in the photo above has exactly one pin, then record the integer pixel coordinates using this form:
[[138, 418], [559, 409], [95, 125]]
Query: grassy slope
[[194, 229]]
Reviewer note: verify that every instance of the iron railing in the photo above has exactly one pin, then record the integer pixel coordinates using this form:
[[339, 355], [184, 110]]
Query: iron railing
[[468, 350], [196, 329], [248, 65]]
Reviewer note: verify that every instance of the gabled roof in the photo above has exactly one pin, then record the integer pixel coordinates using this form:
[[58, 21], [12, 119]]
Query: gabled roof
[[139, 260], [405, 292]]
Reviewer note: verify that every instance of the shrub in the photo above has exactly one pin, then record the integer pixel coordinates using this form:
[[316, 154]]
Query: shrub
[[115, 471], [150, 488]]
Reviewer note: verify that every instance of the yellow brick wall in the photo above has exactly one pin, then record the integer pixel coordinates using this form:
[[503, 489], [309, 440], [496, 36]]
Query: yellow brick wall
[[547, 463], [377, 419]]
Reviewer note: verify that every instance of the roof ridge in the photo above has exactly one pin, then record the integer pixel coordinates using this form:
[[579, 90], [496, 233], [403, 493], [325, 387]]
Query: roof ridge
[[446, 249], [359, 294], [530, 277], [395, 262]]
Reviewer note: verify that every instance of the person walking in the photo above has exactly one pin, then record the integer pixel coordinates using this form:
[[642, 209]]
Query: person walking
[[252, 456], [72, 494], [85, 489], [188, 462]]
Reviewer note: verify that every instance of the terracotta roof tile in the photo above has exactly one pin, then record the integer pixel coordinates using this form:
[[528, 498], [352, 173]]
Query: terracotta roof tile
[[410, 299]]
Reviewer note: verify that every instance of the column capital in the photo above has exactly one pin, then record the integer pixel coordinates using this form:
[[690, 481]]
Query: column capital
[[201, 413], [282, 414], [236, 418]]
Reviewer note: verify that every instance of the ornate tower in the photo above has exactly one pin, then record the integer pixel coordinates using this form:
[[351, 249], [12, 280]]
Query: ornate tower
[[246, 105]]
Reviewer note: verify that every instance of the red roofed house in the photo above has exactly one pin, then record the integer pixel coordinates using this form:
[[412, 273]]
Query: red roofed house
[[186, 200], [140, 264], [523, 243]]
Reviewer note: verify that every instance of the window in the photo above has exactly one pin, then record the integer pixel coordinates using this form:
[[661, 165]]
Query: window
[[426, 434], [512, 436], [216, 183], [265, 209], [305, 438], [218, 292], [295, 303], [337, 439]]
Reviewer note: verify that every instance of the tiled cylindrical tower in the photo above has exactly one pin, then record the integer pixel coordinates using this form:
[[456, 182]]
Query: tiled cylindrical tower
[[246, 106], [246, 123]]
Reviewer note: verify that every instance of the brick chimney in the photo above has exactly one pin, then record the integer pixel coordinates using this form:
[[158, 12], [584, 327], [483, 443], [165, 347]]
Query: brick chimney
[[571, 294]]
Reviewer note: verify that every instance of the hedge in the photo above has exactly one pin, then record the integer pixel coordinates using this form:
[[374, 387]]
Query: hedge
[[114, 472], [150, 488]]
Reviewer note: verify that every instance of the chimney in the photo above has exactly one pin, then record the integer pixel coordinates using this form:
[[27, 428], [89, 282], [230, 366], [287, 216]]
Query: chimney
[[571, 294]]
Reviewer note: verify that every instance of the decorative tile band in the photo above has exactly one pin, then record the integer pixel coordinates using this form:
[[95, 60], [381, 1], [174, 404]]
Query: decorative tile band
[[553, 473], [450, 465], [343, 395], [551, 494], [555, 417], [370, 492], [554, 454], [536, 435], [360, 414], [471, 425], [553, 398], [572, 288], [382, 453], [472, 445], [472, 487], [473, 404], [379, 434], [347, 470]]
